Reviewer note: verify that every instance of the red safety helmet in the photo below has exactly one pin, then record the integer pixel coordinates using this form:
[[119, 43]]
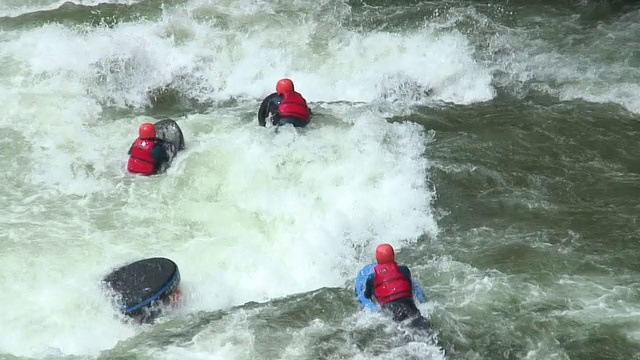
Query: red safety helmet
[[385, 254], [147, 131], [284, 86]]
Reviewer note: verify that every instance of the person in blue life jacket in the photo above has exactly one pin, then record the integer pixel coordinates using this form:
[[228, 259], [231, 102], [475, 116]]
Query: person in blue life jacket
[[393, 288], [285, 106]]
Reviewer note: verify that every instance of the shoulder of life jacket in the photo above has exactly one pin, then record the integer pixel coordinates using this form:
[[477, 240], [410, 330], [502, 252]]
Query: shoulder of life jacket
[[294, 105]]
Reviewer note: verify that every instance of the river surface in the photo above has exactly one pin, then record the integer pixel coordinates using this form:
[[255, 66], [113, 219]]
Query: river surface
[[494, 144]]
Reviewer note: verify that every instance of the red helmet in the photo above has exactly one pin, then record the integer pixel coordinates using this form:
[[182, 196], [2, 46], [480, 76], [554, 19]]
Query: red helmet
[[284, 86], [385, 254], [147, 131]]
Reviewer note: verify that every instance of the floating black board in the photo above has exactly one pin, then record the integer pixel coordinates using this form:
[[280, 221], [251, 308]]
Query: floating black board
[[141, 285]]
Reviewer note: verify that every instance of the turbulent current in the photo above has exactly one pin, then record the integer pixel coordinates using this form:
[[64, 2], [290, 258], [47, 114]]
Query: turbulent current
[[494, 144]]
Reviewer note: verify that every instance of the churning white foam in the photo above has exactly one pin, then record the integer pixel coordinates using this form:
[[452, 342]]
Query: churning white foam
[[248, 214]]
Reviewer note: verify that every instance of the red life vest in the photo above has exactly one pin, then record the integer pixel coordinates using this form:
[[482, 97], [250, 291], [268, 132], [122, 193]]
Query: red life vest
[[390, 284], [141, 161], [294, 105]]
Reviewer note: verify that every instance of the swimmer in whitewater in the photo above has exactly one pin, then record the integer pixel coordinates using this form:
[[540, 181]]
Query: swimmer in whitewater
[[155, 148], [393, 288], [147, 155], [285, 106]]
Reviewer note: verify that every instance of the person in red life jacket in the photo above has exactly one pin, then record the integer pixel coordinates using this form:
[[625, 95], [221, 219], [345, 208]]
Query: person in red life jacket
[[285, 106], [393, 288], [148, 155]]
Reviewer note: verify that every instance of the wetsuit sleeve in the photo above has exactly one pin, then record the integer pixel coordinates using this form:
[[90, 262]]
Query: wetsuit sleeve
[[159, 154], [265, 109], [415, 287], [406, 272], [368, 286]]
